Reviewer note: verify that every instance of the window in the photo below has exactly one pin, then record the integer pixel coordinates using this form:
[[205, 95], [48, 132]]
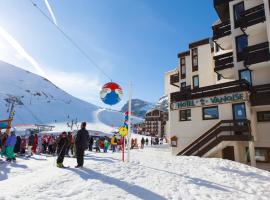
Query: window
[[263, 116], [262, 154], [241, 43], [210, 113], [237, 10], [185, 115], [195, 80], [194, 59], [183, 67], [245, 75], [183, 84]]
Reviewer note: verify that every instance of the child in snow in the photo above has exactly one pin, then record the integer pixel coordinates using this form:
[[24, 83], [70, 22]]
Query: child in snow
[[10, 144], [106, 145], [61, 149]]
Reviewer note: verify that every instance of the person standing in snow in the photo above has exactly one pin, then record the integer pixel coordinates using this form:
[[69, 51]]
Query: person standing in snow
[[17, 148], [91, 142], [113, 143], [35, 144], [142, 142], [62, 146], [10, 144], [146, 141], [81, 142], [106, 145], [31, 140]]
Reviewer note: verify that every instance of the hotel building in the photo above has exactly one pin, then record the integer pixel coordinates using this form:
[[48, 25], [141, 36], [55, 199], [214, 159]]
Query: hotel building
[[220, 91]]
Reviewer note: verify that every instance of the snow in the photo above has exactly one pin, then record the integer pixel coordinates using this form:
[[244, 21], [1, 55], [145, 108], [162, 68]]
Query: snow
[[153, 174], [41, 102]]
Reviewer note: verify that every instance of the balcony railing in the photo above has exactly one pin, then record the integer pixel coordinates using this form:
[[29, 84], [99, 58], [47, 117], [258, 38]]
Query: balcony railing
[[174, 79], [221, 30], [213, 90], [224, 61], [256, 54], [252, 16]]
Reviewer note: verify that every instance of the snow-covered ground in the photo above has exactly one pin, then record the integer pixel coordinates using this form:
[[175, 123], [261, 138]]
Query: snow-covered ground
[[152, 174]]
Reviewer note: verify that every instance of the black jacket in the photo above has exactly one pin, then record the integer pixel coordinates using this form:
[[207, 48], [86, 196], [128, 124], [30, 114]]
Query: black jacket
[[62, 145], [82, 139], [31, 140]]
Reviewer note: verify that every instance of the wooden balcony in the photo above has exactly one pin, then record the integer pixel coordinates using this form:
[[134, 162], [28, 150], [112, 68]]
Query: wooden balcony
[[256, 54], [221, 30], [252, 16], [223, 61], [222, 8], [174, 79], [260, 95], [208, 91]]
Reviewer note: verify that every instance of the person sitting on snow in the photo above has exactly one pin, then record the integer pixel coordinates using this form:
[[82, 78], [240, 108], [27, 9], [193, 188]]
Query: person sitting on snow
[[61, 149]]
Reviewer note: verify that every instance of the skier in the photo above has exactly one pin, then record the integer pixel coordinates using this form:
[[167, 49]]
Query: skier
[[62, 146], [106, 145], [81, 142], [10, 144], [97, 145], [142, 142], [30, 144]]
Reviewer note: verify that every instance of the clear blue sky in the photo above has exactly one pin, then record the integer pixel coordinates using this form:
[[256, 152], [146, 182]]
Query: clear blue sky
[[132, 40]]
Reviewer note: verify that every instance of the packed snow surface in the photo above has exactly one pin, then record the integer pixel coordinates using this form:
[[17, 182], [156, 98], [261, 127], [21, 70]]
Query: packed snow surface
[[152, 174]]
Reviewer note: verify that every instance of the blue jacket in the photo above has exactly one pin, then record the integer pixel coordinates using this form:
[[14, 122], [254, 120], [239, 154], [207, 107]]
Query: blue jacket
[[11, 141]]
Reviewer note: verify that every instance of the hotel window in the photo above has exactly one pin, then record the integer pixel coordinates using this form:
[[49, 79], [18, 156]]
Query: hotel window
[[263, 116], [183, 84], [183, 67], [245, 75], [241, 43], [195, 80], [237, 10], [210, 113], [194, 53], [185, 115]]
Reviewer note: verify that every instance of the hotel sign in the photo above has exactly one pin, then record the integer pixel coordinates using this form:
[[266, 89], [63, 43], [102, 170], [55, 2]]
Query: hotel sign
[[207, 101]]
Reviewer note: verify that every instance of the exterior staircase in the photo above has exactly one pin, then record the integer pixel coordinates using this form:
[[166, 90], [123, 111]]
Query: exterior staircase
[[225, 130]]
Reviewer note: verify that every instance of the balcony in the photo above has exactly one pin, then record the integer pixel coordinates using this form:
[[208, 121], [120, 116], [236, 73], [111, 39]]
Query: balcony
[[223, 61], [221, 30], [260, 95], [252, 16], [213, 90], [175, 80], [222, 8], [255, 54]]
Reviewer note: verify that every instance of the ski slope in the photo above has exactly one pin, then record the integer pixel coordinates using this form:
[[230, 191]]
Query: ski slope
[[152, 174], [42, 102]]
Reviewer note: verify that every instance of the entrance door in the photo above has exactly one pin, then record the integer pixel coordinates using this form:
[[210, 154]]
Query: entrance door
[[239, 111], [228, 153]]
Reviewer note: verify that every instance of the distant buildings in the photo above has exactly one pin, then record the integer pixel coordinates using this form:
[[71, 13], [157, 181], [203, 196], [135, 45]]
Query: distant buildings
[[220, 91], [154, 124]]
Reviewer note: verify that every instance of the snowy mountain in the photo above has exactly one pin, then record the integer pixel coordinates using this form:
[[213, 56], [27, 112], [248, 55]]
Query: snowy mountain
[[163, 103], [139, 107], [40, 101]]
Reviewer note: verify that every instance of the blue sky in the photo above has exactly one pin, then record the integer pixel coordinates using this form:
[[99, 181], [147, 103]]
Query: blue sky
[[132, 40]]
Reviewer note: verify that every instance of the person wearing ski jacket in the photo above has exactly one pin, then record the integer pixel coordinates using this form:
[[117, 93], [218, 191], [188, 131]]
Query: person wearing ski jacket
[[35, 144], [62, 146], [81, 143], [17, 147], [10, 144], [31, 141], [106, 145], [113, 143]]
